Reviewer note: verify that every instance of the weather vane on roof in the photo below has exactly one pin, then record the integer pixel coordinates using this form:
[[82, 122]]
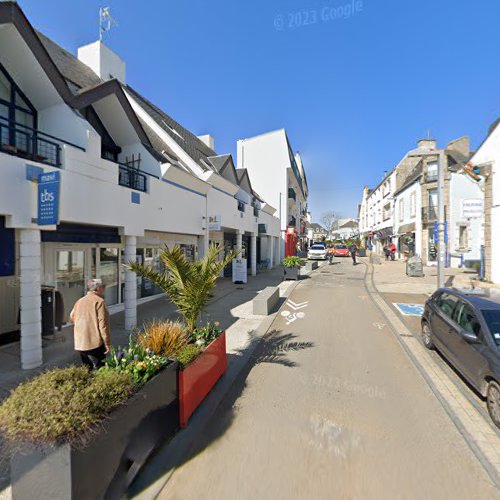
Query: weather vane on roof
[[106, 22]]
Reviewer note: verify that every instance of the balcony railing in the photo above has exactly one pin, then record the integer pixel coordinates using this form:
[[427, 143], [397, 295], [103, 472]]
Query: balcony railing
[[431, 176], [430, 214], [131, 178], [241, 206], [19, 140], [291, 194]]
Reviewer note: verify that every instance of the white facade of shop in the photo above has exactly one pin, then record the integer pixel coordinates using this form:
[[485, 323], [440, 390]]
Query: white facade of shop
[[408, 216]]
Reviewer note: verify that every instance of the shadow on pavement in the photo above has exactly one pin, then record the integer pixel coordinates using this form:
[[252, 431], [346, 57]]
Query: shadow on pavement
[[273, 348]]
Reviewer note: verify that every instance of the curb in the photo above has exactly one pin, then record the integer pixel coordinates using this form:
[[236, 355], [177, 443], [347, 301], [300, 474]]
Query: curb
[[403, 335], [163, 464]]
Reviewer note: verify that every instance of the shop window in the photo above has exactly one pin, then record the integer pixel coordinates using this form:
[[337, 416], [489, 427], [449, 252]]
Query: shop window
[[7, 250], [413, 205], [463, 236], [108, 272]]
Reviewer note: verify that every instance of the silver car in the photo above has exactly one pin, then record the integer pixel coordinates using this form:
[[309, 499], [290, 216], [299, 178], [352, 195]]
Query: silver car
[[317, 252]]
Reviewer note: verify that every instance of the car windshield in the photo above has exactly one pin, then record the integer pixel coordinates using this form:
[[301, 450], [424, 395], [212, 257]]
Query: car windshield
[[492, 318], [340, 247], [317, 247]]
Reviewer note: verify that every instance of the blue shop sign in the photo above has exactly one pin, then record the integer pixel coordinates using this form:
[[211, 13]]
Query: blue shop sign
[[48, 198]]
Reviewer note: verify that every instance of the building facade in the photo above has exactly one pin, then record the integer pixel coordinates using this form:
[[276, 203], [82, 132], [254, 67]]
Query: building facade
[[95, 176], [279, 176]]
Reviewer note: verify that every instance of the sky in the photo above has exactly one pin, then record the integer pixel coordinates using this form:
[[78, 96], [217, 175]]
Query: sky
[[355, 83]]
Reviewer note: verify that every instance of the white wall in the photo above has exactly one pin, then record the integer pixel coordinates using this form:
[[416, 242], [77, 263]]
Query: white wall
[[414, 189]]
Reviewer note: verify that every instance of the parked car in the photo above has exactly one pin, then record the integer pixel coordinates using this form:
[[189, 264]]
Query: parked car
[[341, 251], [465, 328], [317, 252]]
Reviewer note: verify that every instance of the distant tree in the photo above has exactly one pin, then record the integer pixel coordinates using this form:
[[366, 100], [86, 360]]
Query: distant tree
[[329, 221]]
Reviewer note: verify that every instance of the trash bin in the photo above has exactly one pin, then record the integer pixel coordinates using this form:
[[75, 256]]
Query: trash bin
[[48, 310], [414, 267]]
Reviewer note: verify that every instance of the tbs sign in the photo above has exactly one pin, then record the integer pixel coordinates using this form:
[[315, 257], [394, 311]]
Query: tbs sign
[[48, 198]]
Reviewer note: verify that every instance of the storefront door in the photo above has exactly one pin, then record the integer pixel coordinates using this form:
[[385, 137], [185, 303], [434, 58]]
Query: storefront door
[[70, 277]]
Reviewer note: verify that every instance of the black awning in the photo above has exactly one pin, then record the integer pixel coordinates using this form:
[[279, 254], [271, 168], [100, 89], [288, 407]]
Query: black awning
[[80, 233], [384, 233]]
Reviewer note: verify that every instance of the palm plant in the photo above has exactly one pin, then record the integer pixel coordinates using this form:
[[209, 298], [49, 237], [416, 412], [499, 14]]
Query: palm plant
[[189, 284]]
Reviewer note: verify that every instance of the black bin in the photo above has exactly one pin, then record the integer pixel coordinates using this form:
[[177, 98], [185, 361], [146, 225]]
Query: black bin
[[48, 310]]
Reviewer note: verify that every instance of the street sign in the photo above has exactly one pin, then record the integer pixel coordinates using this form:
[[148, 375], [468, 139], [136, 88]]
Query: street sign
[[239, 270], [48, 198]]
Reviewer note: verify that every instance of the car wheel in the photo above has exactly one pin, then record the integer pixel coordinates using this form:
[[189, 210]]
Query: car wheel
[[493, 402], [427, 336]]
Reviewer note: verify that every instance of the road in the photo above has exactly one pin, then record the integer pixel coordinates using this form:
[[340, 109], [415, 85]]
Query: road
[[331, 408]]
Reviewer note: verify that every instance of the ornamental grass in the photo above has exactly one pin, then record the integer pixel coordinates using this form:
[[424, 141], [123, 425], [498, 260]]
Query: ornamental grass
[[64, 405], [163, 338]]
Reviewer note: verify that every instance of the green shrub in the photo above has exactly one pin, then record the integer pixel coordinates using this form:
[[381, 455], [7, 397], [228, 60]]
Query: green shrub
[[292, 262], [203, 335], [187, 354], [62, 405]]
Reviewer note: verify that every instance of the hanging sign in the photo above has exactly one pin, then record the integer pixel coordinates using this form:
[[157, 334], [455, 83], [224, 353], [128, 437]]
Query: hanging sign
[[239, 270], [48, 198]]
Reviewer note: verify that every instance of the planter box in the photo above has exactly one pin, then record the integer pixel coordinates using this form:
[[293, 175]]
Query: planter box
[[291, 273], [110, 461], [362, 252], [199, 377]]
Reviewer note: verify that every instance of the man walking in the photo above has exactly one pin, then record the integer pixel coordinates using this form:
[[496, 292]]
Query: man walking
[[91, 319], [353, 250]]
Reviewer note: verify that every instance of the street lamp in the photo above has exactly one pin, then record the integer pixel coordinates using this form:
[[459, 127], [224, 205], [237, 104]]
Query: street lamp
[[441, 223]]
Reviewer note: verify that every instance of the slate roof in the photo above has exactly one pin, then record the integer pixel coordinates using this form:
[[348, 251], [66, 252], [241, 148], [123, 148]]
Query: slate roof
[[414, 175], [318, 228], [70, 67], [193, 146]]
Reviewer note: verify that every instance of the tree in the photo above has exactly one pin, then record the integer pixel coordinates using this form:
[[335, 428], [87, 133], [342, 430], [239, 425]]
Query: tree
[[189, 284], [329, 221]]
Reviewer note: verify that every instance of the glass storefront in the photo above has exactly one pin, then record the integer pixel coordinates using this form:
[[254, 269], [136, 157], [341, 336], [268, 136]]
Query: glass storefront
[[108, 272], [70, 277]]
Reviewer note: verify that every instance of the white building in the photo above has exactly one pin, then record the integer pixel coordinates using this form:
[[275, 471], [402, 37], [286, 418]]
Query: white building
[[345, 229], [279, 176], [131, 179], [487, 162]]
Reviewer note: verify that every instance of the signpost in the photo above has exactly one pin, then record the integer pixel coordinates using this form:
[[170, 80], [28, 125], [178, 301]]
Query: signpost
[[48, 198], [239, 270]]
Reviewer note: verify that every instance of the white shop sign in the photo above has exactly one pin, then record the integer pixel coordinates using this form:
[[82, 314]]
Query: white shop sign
[[239, 270], [214, 223], [472, 209]]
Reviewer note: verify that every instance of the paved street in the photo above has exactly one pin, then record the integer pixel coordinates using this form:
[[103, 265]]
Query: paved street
[[331, 408]]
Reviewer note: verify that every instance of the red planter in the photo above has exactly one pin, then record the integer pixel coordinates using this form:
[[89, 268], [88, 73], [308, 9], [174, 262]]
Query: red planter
[[198, 378]]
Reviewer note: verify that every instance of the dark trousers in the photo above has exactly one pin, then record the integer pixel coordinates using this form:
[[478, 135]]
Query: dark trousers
[[353, 257], [94, 358]]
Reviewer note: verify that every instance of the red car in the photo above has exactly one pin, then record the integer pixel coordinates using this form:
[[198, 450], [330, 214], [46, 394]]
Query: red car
[[341, 251]]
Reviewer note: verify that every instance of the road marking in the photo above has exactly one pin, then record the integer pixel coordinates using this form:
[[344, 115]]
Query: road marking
[[291, 316], [379, 326], [293, 305], [416, 310]]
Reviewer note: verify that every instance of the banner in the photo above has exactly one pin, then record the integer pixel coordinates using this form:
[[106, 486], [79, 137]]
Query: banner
[[48, 198], [214, 223]]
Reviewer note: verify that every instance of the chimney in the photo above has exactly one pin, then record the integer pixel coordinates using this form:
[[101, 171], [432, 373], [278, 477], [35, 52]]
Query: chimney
[[429, 144], [103, 61], [460, 145], [208, 140]]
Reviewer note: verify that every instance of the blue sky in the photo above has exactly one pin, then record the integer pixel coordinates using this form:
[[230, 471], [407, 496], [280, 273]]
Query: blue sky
[[355, 89]]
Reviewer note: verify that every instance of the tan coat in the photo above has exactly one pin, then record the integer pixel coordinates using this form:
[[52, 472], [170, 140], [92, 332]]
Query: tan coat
[[91, 318]]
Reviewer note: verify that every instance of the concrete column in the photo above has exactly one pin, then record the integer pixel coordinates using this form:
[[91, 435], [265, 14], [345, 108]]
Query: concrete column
[[270, 251], [277, 250], [253, 254], [130, 299], [31, 314], [239, 240]]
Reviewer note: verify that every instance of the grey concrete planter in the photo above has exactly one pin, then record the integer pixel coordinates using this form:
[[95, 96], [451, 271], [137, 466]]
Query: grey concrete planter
[[111, 460], [291, 273]]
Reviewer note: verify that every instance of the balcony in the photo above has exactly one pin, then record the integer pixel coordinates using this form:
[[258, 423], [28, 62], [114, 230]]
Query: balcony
[[291, 194], [241, 206], [430, 214], [19, 140], [131, 178]]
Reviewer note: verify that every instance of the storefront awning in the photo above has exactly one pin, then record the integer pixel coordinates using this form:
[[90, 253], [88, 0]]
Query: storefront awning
[[384, 233], [406, 228]]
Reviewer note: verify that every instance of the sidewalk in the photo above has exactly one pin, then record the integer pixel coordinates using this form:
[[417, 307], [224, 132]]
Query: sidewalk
[[390, 277], [230, 305]]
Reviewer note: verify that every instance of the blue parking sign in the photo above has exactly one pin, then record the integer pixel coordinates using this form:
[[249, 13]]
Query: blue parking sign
[[48, 198]]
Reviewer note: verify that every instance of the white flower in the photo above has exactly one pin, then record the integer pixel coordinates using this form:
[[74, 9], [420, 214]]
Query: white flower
[[199, 342]]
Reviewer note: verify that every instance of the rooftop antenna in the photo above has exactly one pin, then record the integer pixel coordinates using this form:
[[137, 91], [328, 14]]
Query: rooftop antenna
[[106, 22], [428, 134]]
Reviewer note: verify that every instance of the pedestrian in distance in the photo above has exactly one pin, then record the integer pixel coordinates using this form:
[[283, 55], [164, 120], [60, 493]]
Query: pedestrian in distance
[[353, 249], [406, 251], [392, 250], [387, 252], [91, 325]]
